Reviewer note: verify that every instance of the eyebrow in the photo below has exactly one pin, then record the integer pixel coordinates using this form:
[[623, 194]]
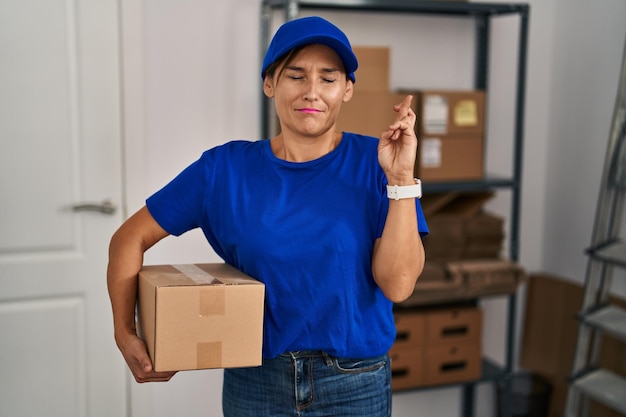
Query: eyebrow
[[300, 69]]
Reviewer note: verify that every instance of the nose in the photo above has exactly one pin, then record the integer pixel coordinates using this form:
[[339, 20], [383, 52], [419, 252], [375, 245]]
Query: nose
[[310, 91]]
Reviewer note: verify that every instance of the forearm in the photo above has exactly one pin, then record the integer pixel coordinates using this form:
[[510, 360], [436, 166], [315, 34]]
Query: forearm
[[125, 261], [126, 250], [398, 257]]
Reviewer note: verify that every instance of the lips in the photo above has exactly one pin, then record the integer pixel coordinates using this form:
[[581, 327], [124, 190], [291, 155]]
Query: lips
[[309, 110]]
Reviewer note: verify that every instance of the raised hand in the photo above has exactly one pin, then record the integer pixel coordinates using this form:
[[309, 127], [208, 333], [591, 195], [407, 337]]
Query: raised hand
[[398, 145]]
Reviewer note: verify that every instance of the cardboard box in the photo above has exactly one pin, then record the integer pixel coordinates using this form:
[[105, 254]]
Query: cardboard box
[[466, 280], [451, 112], [465, 205], [451, 130], [485, 236], [200, 316], [488, 277], [434, 277], [436, 346], [407, 369], [434, 286], [368, 112], [451, 157], [460, 228], [410, 330], [447, 239], [477, 249], [437, 249], [455, 326], [485, 225], [407, 352], [374, 67], [453, 364]]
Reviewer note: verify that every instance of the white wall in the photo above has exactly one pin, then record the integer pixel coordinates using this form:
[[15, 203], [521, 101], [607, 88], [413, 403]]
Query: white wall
[[192, 82]]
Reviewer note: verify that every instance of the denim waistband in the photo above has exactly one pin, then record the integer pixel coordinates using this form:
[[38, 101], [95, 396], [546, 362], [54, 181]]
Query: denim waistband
[[315, 354], [306, 354]]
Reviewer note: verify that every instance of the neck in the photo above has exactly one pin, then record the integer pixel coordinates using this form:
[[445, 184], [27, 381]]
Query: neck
[[294, 148]]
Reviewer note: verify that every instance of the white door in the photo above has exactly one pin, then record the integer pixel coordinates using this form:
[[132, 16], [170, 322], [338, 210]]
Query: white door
[[59, 147]]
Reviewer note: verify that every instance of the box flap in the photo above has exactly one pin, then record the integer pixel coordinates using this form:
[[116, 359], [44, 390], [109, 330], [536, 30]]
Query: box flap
[[164, 276], [195, 274], [227, 274]]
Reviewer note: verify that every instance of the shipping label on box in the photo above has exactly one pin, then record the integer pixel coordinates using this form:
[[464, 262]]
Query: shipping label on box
[[444, 112], [430, 153], [435, 114], [200, 316]]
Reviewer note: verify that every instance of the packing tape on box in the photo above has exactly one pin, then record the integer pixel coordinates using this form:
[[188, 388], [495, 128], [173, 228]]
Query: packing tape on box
[[197, 275], [211, 300], [209, 355]]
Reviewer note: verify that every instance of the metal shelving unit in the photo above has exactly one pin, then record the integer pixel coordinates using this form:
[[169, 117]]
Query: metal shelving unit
[[481, 14]]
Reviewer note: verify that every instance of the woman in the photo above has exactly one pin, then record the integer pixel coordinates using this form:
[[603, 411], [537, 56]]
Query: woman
[[329, 221]]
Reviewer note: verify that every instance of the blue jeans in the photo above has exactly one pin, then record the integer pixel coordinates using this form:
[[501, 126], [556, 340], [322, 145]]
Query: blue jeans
[[309, 384]]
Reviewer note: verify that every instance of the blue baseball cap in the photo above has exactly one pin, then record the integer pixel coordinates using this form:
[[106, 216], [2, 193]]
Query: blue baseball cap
[[308, 31]]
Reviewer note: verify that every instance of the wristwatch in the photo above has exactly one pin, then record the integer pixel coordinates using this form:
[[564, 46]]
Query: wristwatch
[[397, 192]]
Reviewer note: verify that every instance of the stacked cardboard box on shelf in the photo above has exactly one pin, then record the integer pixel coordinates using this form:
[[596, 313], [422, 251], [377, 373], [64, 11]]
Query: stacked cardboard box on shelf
[[460, 228], [463, 251], [451, 129], [450, 124], [408, 352], [436, 346], [446, 282], [370, 110]]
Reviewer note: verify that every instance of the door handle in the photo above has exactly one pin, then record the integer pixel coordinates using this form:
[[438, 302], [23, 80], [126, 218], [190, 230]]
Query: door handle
[[106, 207]]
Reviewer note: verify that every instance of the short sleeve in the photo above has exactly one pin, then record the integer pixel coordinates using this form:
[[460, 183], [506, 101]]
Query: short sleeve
[[177, 207]]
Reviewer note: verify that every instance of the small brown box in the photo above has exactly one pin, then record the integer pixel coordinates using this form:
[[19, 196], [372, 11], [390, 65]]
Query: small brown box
[[374, 65], [407, 368], [451, 112], [453, 363], [452, 157], [409, 330], [458, 326], [200, 316], [369, 112]]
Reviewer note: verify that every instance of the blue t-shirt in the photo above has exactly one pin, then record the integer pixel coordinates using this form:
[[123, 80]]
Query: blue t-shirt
[[306, 230]]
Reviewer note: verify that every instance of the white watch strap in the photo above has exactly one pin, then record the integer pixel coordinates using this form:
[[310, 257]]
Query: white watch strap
[[397, 192]]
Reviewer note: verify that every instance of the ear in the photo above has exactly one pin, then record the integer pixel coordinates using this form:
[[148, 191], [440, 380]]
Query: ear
[[349, 90], [268, 86]]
